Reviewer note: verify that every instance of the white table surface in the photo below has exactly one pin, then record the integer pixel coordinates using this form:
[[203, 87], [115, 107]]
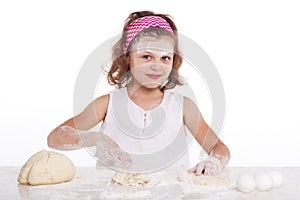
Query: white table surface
[[89, 183]]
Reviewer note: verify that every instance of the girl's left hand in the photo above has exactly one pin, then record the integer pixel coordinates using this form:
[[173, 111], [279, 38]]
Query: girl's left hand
[[212, 166]]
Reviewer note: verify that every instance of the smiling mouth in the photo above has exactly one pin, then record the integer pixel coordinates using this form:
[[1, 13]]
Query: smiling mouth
[[154, 76]]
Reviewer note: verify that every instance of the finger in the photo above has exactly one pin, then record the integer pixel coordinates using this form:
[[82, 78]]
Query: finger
[[105, 158], [208, 171], [212, 170], [209, 168], [200, 168], [193, 170], [124, 158]]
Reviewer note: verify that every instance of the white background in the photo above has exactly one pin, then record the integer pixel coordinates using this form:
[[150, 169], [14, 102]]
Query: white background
[[255, 46]]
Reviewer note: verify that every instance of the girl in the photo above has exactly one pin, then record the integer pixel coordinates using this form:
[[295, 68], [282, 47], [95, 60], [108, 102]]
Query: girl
[[145, 123]]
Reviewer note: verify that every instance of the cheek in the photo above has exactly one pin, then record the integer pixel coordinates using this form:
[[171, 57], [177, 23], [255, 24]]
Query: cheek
[[137, 71], [167, 70], [136, 65]]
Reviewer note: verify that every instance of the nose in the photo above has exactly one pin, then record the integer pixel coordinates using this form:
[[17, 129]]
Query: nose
[[156, 64]]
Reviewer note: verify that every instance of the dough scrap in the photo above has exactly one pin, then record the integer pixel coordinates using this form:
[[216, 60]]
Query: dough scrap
[[46, 167], [210, 181], [130, 179]]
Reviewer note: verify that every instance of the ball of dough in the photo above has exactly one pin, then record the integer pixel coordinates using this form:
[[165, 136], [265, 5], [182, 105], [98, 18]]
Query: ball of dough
[[277, 178], [263, 181], [46, 167], [246, 183]]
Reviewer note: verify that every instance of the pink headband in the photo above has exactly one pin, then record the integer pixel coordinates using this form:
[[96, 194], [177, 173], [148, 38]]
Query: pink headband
[[142, 23]]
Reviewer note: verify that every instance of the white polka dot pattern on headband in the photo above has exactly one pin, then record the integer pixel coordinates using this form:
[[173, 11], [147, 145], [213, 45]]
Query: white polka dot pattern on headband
[[142, 23]]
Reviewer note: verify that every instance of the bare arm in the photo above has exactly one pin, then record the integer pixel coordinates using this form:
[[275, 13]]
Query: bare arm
[[65, 135], [204, 135]]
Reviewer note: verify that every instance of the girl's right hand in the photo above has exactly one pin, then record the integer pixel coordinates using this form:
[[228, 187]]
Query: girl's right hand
[[64, 138], [109, 153]]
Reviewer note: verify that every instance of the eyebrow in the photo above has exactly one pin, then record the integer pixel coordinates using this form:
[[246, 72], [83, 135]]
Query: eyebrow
[[151, 51]]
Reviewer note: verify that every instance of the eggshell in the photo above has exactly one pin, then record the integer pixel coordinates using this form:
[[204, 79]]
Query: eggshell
[[263, 181], [246, 183], [277, 178]]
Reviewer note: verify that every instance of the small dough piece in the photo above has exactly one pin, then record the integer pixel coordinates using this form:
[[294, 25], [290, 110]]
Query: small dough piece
[[130, 179], [210, 181], [46, 167]]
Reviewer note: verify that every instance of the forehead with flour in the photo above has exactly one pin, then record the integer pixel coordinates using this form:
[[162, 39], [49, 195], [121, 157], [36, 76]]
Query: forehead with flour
[[162, 45]]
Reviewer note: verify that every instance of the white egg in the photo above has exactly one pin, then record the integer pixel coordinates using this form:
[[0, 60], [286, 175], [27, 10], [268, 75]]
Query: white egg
[[277, 178], [263, 181], [246, 183]]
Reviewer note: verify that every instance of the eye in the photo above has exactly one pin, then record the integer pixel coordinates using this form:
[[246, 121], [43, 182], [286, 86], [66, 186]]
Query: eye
[[147, 57], [166, 58]]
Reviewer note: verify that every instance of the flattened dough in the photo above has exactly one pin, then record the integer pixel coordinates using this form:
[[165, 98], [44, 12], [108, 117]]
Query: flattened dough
[[130, 179], [46, 167]]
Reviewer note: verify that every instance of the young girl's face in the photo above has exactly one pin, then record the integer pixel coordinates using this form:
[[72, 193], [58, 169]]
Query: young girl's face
[[151, 61]]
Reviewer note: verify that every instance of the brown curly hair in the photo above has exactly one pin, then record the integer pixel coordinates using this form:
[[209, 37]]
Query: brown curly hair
[[119, 73]]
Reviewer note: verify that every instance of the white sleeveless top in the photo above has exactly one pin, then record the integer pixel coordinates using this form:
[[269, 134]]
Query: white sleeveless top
[[155, 138]]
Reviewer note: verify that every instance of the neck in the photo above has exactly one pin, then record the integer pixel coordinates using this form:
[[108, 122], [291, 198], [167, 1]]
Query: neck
[[135, 90]]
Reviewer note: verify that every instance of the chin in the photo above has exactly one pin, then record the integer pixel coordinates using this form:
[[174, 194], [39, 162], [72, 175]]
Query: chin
[[151, 85]]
